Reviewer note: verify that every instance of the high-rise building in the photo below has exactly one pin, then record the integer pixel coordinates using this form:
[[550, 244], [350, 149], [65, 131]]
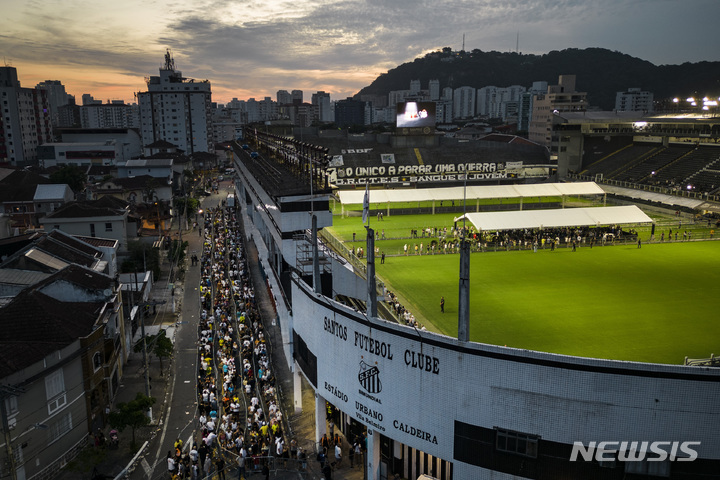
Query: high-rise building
[[57, 97], [398, 96], [349, 112], [176, 109], [322, 101], [434, 87], [414, 87], [69, 115], [464, 102], [297, 96], [283, 97], [526, 105], [499, 102], [267, 109], [24, 120], [559, 98], [88, 99], [109, 115], [634, 100]]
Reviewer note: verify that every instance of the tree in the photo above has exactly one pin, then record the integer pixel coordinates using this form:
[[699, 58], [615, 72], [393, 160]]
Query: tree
[[142, 255], [159, 345], [132, 414], [149, 190], [71, 175], [192, 206]]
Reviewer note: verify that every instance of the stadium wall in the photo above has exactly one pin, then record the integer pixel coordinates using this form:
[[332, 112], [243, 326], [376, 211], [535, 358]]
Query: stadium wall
[[458, 401]]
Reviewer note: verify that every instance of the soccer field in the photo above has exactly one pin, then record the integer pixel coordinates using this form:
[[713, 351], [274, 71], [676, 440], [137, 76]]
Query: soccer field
[[656, 304]]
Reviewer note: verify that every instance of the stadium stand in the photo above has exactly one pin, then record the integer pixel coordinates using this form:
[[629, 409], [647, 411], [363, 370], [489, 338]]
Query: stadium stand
[[642, 170], [619, 159], [707, 180], [686, 166]]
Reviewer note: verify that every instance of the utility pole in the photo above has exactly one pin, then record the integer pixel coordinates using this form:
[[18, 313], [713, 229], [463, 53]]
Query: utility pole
[[7, 391]]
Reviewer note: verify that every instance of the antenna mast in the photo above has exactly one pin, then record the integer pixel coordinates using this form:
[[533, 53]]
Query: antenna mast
[[517, 42], [463, 47]]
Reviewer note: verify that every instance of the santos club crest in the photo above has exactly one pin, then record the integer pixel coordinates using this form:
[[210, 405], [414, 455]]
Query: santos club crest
[[369, 378]]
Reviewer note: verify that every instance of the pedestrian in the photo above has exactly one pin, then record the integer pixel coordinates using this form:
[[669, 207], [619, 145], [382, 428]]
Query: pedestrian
[[220, 466], [302, 456], [241, 463], [639, 243], [321, 457], [170, 463], [327, 471], [338, 455], [202, 453], [207, 468], [266, 470], [382, 257], [351, 455], [442, 304]]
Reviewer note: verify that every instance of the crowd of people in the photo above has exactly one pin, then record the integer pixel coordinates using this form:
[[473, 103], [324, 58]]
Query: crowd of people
[[239, 419], [444, 240]]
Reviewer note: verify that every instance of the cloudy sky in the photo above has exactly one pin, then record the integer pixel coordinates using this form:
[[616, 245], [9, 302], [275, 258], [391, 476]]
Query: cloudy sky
[[252, 48]]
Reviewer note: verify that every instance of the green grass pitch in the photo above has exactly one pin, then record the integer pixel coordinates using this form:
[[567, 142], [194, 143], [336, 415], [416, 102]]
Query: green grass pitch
[[656, 304]]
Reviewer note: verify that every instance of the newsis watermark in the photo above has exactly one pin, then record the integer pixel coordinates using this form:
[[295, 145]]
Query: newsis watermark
[[635, 451]]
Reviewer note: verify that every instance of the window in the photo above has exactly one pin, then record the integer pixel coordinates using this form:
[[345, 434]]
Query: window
[[108, 227], [97, 361], [92, 229], [54, 384], [516, 442], [11, 405], [59, 428], [55, 391]]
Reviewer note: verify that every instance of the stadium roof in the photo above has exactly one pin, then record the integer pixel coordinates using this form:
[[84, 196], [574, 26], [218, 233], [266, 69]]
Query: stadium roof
[[473, 192], [563, 217], [667, 199]]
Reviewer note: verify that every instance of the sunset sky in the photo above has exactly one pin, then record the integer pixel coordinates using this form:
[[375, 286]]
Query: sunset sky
[[249, 48]]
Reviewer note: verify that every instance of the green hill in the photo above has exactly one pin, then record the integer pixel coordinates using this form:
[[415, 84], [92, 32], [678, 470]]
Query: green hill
[[600, 72]]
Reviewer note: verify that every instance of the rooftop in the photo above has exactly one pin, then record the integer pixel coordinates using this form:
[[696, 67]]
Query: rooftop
[[50, 192], [277, 178], [102, 207], [33, 325]]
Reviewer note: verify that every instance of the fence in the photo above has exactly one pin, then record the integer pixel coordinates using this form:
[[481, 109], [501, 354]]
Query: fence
[[675, 191]]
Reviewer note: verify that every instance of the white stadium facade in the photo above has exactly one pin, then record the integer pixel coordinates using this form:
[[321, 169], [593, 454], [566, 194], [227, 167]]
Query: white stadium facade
[[436, 405]]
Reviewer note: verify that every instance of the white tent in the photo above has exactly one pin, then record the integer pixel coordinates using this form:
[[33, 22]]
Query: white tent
[[564, 217], [349, 197]]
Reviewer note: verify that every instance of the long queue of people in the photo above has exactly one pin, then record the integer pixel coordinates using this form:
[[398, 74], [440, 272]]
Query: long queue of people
[[239, 419]]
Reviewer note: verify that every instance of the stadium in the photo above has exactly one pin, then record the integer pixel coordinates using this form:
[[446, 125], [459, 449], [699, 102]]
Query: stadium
[[549, 356]]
